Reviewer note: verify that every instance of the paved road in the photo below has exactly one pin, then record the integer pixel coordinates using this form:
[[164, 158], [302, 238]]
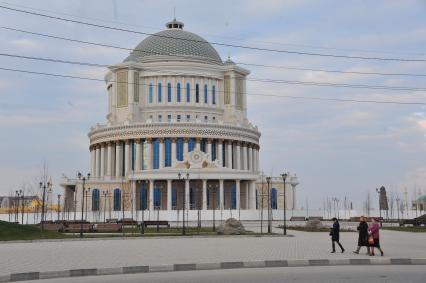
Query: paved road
[[359, 274], [64, 255]]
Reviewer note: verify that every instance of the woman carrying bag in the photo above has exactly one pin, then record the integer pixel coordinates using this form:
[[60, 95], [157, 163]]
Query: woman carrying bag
[[374, 237]]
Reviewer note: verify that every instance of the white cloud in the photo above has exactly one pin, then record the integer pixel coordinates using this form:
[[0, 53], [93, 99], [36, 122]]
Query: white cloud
[[26, 44]]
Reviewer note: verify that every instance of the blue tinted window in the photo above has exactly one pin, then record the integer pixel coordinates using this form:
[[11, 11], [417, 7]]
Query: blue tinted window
[[156, 153], [234, 197], [95, 200], [178, 92], [274, 198], [150, 93], [213, 94], [157, 197], [117, 199], [168, 152], [143, 197], [133, 149], [159, 92], [197, 93], [169, 92], [203, 145], [174, 197], [188, 92], [206, 95], [191, 144], [179, 149], [214, 150]]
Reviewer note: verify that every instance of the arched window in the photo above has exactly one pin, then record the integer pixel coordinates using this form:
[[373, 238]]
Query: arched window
[[150, 94], [159, 93], [197, 93], [191, 144], [169, 92], [206, 95], [213, 95], [179, 149], [274, 197], [156, 153], [117, 199], [95, 200], [168, 152], [188, 92], [178, 92]]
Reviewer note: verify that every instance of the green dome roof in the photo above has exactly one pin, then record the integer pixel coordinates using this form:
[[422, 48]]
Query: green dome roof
[[174, 41]]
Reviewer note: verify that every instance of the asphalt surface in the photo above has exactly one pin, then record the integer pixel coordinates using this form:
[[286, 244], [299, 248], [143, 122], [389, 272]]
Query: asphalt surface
[[359, 274]]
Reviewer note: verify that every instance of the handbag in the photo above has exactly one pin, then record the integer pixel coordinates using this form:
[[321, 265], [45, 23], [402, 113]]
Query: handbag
[[370, 240]]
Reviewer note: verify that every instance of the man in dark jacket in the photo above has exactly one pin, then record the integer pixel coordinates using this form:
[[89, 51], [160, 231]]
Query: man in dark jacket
[[362, 235], [334, 233]]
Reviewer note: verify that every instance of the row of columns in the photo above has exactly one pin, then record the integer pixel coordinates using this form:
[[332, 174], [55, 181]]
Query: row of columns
[[115, 158], [250, 187]]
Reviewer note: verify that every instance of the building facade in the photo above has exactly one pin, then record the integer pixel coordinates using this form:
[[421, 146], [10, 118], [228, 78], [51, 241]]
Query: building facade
[[177, 134]]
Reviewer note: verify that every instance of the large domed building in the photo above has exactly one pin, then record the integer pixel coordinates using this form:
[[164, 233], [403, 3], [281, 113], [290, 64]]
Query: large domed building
[[177, 136]]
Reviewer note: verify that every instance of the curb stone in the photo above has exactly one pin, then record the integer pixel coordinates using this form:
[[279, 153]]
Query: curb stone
[[27, 276]]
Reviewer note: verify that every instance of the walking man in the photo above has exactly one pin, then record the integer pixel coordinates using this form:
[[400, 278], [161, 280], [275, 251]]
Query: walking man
[[334, 233]]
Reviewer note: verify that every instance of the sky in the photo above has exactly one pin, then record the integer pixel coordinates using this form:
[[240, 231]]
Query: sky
[[337, 149]]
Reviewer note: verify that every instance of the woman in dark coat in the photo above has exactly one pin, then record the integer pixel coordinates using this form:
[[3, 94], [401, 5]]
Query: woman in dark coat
[[334, 233], [362, 235]]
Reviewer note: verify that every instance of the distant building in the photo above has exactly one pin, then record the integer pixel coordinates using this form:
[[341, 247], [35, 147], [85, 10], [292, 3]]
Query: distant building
[[9, 202]]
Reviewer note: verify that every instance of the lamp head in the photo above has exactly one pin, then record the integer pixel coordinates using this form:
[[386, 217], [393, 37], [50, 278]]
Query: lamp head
[[179, 175], [284, 175], [88, 176], [79, 175], [41, 184], [187, 175], [268, 179]]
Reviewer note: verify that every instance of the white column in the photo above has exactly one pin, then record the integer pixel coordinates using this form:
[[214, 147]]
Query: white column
[[229, 155], [219, 152], [221, 195], [252, 190], [149, 154], [109, 160], [186, 194], [127, 154], [151, 195], [238, 193], [209, 149], [245, 164], [247, 195], [98, 161], [92, 161], [169, 194], [238, 156], [257, 161], [204, 205], [161, 153], [185, 147], [173, 152], [138, 155], [198, 143], [102, 172], [118, 158], [250, 158]]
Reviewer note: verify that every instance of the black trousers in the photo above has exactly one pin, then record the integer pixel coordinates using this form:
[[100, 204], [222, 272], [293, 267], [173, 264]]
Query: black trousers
[[333, 245]]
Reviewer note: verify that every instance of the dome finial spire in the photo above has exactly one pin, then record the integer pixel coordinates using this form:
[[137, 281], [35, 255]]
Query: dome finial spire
[[174, 13]]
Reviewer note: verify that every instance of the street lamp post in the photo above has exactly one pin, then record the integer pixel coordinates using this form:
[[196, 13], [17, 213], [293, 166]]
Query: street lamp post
[[380, 207], [284, 176], [214, 189], [397, 206], [23, 207], [59, 206], [184, 201], [105, 194], [81, 177], [43, 185], [268, 181], [18, 194]]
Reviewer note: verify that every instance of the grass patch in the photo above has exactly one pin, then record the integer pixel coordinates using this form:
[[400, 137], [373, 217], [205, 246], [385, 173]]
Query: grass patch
[[421, 229], [11, 232], [307, 229]]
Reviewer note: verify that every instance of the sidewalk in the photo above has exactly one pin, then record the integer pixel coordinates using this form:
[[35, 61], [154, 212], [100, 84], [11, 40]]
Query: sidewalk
[[113, 253]]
